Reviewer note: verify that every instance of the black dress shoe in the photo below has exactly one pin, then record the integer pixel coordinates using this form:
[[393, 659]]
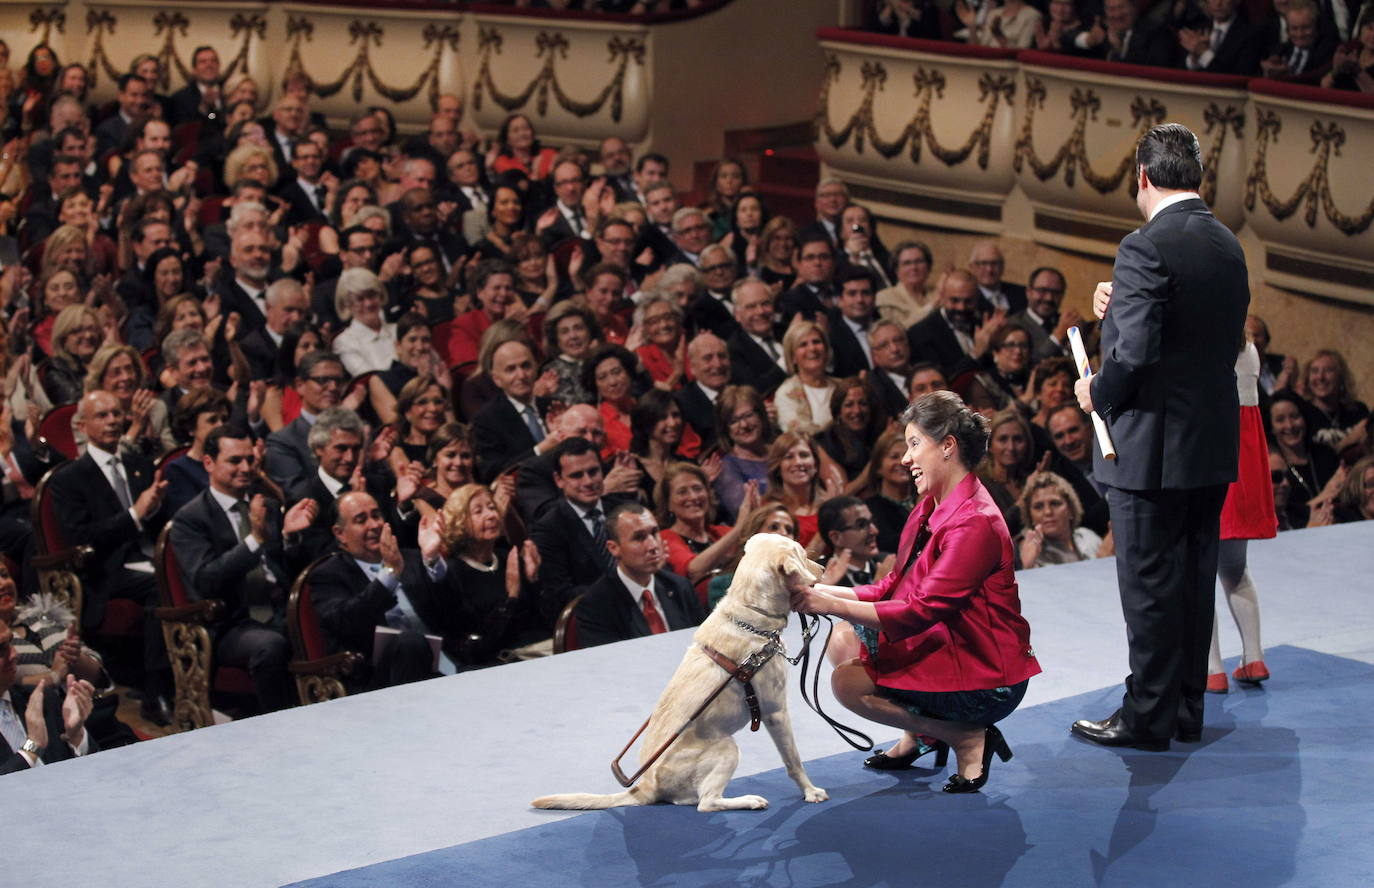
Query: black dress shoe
[[881, 761], [1183, 736], [1111, 732], [156, 708]]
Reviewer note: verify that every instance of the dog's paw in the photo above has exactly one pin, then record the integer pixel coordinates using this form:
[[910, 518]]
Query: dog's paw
[[815, 794], [752, 802]]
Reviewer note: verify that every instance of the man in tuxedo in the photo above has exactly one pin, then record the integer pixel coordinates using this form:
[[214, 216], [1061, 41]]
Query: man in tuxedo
[[133, 98], [307, 194], [509, 429], [370, 583], [1229, 44], [638, 597], [850, 533], [615, 165], [113, 503], [832, 196], [571, 536], [813, 295], [245, 289], [40, 723], [950, 336], [891, 365], [286, 128], [755, 353], [320, 380], [986, 263], [200, 99], [1305, 56], [1041, 319], [1120, 36], [709, 360], [287, 306], [849, 321], [567, 218], [1172, 319], [713, 309], [536, 491], [229, 546]]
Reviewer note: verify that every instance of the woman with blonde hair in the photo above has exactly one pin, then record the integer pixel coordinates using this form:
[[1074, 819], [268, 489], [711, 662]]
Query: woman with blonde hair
[[794, 480], [497, 608], [1010, 460], [696, 548], [67, 248], [803, 398], [76, 335], [119, 370], [250, 161], [1052, 513]]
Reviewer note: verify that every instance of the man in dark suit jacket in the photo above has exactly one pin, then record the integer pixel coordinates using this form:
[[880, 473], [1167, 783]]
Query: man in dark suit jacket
[[1041, 319], [320, 379], [755, 352], [242, 286], [639, 597], [891, 365], [200, 99], [503, 431], [370, 583], [1167, 390], [709, 359], [54, 731], [306, 193], [229, 546], [814, 293], [947, 336], [114, 505], [849, 321], [133, 97], [287, 306], [1227, 44], [986, 263], [1123, 37], [571, 535], [536, 490], [1305, 56]]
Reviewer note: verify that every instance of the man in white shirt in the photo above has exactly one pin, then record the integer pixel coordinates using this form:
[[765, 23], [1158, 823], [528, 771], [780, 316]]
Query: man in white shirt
[[691, 234], [709, 360], [849, 321], [986, 264]]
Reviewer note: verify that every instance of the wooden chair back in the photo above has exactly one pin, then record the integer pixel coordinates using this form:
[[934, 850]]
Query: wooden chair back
[[565, 630], [55, 431]]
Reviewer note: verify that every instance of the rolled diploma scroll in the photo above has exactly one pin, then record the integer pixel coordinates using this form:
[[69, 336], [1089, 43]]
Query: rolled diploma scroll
[[1085, 371]]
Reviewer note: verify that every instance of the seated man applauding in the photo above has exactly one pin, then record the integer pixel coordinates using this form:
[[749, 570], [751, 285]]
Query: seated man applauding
[[39, 725]]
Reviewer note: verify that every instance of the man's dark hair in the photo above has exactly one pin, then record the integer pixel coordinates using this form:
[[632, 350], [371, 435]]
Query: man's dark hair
[[814, 237], [68, 132], [308, 363], [613, 519], [140, 232], [195, 53], [1066, 406], [830, 516], [65, 160], [346, 238], [243, 185], [1171, 156], [124, 80], [1030, 281], [856, 273], [220, 432], [570, 447], [489, 268], [651, 157]]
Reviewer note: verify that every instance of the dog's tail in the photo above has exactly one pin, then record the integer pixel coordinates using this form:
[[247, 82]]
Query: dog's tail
[[586, 801]]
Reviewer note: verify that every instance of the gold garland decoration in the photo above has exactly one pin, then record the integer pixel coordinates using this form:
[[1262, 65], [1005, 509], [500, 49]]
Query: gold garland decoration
[[551, 46], [1219, 119], [1073, 154], [47, 19], [930, 84], [168, 25], [365, 35], [1327, 139]]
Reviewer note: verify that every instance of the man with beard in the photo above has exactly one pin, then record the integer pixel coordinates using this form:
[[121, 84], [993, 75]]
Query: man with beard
[[250, 259], [615, 163], [1047, 325], [950, 336]]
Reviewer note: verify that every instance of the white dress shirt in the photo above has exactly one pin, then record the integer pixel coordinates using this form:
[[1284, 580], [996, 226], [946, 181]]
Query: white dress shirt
[[637, 593], [363, 349]]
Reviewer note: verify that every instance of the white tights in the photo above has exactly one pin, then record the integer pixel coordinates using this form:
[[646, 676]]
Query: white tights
[[1243, 600]]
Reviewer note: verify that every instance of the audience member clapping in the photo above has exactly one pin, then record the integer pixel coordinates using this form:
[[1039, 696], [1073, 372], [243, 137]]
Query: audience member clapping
[[571, 334], [794, 480], [744, 433], [1330, 393], [1053, 535], [696, 547], [1308, 463]]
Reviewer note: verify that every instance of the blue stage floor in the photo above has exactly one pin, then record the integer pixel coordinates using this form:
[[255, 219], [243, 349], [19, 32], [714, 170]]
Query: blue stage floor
[[1279, 793]]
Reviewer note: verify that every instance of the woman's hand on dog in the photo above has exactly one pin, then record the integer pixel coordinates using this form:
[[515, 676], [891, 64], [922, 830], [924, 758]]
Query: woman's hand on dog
[[806, 598]]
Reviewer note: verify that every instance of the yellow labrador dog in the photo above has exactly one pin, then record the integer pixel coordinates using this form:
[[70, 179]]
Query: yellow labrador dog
[[695, 769]]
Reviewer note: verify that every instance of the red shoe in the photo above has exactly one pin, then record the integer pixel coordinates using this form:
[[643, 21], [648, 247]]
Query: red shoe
[[1216, 683], [1251, 673]]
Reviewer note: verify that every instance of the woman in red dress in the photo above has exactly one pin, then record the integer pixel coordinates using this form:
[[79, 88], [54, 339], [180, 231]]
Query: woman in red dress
[[1248, 514], [944, 652]]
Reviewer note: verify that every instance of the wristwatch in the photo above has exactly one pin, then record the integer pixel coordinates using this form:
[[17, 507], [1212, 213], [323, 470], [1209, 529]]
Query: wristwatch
[[31, 747]]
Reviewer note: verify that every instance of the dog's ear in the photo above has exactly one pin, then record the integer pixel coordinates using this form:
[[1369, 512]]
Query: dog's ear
[[799, 563]]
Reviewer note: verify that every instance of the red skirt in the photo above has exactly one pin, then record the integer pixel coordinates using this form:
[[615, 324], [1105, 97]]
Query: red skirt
[[1249, 510]]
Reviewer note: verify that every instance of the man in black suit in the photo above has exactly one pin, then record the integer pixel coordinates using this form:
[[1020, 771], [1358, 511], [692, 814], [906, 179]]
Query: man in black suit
[[40, 219], [567, 218], [712, 308], [1227, 44], [660, 205], [1120, 36], [986, 263], [1042, 319], [1305, 56], [709, 360], [615, 166], [307, 193], [244, 290], [285, 129], [1173, 318], [891, 365], [113, 503], [755, 352], [832, 196], [200, 99], [849, 321], [950, 335], [536, 491], [287, 306], [814, 293], [229, 546], [320, 379], [650, 170], [40, 723], [691, 235], [464, 185], [571, 536], [133, 97], [419, 213], [509, 429], [638, 597], [370, 583]]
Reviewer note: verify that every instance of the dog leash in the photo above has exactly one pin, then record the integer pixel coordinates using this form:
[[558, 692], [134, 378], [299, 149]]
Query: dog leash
[[813, 700]]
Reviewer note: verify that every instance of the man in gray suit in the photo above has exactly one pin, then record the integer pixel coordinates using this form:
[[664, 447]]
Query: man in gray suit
[[320, 379], [1172, 323]]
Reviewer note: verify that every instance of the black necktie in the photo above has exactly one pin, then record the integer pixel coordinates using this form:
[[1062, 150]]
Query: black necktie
[[599, 535]]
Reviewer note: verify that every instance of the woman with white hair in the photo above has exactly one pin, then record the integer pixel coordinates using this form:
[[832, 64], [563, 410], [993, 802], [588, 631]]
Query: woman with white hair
[[368, 343]]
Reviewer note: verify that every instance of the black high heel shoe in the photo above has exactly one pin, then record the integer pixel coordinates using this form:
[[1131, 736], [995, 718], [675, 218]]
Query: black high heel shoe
[[881, 761], [993, 742]]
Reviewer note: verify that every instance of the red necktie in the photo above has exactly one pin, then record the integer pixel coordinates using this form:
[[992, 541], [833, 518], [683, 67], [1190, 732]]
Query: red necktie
[[651, 614]]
